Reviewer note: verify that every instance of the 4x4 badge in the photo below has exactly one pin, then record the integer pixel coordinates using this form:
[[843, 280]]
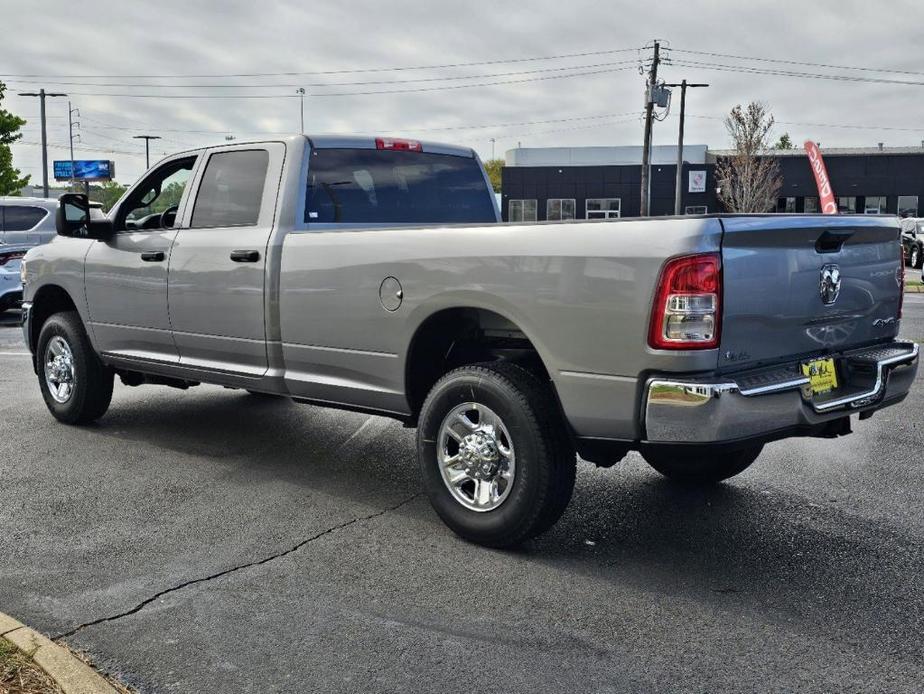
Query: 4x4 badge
[[830, 285]]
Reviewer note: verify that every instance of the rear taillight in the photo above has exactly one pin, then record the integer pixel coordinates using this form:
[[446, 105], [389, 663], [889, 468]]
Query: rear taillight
[[900, 275], [9, 257], [398, 144], [687, 307]]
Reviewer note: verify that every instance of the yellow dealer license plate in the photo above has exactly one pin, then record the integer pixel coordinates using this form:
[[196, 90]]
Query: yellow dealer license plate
[[822, 375]]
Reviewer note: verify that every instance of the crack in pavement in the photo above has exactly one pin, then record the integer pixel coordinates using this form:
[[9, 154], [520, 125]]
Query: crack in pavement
[[147, 601]]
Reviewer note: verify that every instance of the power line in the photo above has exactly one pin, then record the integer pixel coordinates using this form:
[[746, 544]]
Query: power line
[[829, 125], [799, 62], [340, 84], [359, 93], [65, 146], [790, 73], [351, 71], [405, 127]]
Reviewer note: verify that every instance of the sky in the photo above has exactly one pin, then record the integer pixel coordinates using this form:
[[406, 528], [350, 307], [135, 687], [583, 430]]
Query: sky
[[102, 53]]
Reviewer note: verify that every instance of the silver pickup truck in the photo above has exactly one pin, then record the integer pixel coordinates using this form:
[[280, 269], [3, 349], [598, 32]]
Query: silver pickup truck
[[371, 274]]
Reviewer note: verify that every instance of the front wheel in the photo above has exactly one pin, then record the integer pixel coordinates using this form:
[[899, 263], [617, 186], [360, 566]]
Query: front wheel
[[700, 465], [495, 459], [76, 385]]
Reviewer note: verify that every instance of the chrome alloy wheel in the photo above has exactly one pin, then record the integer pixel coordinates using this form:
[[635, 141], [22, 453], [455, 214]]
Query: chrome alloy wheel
[[59, 369], [476, 458]]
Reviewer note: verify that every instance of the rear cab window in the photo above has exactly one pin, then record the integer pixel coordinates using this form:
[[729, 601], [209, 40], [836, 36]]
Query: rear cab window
[[392, 187]]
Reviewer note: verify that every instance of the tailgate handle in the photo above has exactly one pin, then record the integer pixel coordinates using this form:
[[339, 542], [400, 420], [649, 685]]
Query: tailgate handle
[[831, 241]]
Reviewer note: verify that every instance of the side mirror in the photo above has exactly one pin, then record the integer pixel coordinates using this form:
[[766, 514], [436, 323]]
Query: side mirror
[[73, 219]]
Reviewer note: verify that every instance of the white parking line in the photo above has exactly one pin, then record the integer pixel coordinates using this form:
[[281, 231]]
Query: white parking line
[[15, 354]]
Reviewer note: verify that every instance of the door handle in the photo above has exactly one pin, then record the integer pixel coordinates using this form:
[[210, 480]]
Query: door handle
[[245, 256], [153, 256]]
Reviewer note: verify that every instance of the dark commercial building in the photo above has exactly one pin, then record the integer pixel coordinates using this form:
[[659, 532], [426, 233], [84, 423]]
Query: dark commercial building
[[556, 183]]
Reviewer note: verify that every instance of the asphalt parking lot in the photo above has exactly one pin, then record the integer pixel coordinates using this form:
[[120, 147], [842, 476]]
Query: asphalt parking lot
[[212, 541]]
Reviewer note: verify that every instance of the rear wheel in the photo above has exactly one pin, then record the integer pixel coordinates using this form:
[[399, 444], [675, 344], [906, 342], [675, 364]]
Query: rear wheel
[[703, 465], [495, 458], [76, 385], [914, 257]]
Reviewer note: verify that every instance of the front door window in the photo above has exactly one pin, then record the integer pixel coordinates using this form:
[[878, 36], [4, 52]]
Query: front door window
[[154, 204]]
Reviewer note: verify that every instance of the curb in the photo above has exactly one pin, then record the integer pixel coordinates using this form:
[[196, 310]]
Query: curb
[[70, 673]]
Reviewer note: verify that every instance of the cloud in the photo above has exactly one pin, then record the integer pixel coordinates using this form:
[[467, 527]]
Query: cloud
[[211, 38]]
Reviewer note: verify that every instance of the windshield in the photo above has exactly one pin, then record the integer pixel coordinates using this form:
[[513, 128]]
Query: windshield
[[371, 186]]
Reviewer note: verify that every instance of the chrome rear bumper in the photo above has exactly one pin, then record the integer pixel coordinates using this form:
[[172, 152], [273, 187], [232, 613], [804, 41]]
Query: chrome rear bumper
[[760, 403]]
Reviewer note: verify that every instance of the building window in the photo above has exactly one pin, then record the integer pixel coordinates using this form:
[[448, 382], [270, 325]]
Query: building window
[[603, 208], [811, 204], [559, 209], [907, 205], [522, 211], [696, 209], [875, 204], [785, 204], [847, 205]]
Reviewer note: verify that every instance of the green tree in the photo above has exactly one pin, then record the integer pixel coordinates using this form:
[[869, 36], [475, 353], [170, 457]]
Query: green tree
[[11, 180], [108, 194], [493, 167], [170, 196], [785, 142]]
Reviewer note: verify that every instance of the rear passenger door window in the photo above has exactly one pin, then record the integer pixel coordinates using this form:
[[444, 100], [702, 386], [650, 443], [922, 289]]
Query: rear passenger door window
[[231, 191]]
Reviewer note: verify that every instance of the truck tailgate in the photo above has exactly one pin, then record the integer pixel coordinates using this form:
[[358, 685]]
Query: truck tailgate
[[798, 286]]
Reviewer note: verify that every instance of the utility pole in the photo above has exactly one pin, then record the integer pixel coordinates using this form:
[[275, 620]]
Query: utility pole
[[678, 184], [492, 147], [649, 111], [301, 95], [70, 130], [147, 148], [42, 94]]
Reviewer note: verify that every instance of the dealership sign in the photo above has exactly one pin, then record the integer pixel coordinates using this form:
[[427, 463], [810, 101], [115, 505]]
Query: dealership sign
[[84, 170], [697, 182], [825, 193]]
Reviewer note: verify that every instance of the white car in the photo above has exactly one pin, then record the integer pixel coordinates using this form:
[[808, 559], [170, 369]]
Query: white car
[[29, 221], [10, 281]]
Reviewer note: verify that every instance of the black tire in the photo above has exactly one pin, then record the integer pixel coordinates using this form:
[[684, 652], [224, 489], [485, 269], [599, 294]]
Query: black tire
[[545, 460], [92, 390], [914, 257], [703, 465]]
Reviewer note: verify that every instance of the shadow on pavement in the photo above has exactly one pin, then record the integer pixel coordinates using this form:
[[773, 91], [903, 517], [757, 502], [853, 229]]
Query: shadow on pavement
[[736, 546], [741, 545]]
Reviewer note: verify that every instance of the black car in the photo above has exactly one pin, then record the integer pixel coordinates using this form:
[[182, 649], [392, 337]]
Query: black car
[[913, 241]]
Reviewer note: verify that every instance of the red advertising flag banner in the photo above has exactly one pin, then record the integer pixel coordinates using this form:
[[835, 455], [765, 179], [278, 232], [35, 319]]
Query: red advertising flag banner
[[825, 193]]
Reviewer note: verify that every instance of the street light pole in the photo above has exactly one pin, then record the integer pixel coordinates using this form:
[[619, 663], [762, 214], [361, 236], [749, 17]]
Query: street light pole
[[678, 183], [301, 95], [41, 94], [147, 148]]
